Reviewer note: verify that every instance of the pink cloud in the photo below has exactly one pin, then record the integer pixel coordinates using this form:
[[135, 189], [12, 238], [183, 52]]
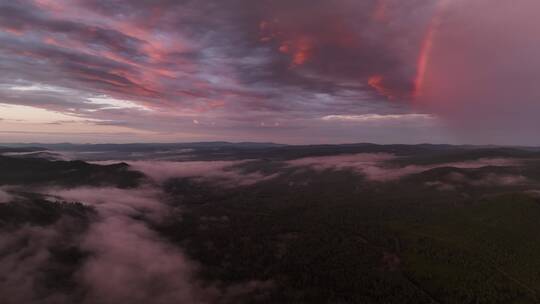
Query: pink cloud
[[481, 76], [5, 196], [115, 201], [131, 263], [373, 166], [222, 172]]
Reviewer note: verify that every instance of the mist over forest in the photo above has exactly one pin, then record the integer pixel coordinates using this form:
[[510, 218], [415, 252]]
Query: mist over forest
[[264, 223]]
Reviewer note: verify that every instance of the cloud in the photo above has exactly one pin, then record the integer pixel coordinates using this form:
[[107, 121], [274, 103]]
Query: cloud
[[238, 67], [480, 75], [224, 173], [20, 264], [27, 260], [375, 166], [486, 180], [231, 66], [365, 162], [5, 196], [378, 117], [441, 186], [115, 202], [534, 193], [124, 259], [129, 262], [492, 179]]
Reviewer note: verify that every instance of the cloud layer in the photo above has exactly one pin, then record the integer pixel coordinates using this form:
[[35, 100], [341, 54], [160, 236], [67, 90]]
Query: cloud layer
[[214, 69], [125, 260], [481, 74], [5, 196], [224, 173], [375, 166], [269, 70]]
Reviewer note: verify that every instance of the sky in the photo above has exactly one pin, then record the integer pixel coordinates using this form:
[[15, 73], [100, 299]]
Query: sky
[[286, 71]]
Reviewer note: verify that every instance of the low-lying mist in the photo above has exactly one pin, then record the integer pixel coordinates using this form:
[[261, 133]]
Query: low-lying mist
[[115, 255], [123, 260]]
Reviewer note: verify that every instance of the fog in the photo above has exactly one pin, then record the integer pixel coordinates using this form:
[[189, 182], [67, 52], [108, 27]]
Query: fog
[[128, 262], [224, 173], [482, 72], [5, 196], [376, 166]]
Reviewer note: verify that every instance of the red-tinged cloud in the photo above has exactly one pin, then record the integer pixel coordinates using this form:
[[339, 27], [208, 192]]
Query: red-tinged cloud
[[480, 70], [347, 41], [377, 82], [380, 11], [238, 67]]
